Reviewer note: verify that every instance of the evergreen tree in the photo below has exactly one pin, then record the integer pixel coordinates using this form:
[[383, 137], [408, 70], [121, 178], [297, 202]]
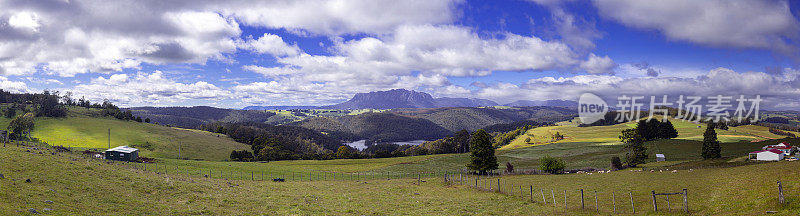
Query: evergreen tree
[[711, 148], [667, 130], [482, 158], [634, 145]]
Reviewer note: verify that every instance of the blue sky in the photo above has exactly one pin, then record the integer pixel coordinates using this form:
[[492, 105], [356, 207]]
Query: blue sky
[[311, 52]]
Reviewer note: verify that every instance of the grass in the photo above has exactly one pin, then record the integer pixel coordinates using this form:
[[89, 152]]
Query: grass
[[578, 155], [68, 184], [82, 130], [78, 186], [610, 134], [296, 167], [742, 190]]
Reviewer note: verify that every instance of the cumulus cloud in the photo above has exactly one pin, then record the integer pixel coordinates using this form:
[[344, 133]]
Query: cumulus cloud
[[13, 86], [109, 36], [147, 89], [598, 65], [759, 24], [270, 44], [402, 60], [777, 91]]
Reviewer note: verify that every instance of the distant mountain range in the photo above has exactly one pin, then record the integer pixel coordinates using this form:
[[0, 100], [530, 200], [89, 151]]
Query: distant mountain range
[[551, 103], [401, 98], [278, 107]]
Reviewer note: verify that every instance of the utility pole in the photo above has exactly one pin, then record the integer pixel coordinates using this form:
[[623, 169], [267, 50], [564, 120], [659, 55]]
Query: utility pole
[[179, 149], [109, 138]]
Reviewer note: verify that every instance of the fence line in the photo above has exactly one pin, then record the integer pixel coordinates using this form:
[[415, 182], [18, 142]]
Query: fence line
[[609, 199]]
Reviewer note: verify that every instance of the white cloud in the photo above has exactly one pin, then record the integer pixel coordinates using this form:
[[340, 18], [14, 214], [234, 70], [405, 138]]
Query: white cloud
[[270, 44], [269, 72], [741, 24], [67, 38], [340, 16], [25, 20], [13, 86], [598, 65], [147, 89], [777, 91]]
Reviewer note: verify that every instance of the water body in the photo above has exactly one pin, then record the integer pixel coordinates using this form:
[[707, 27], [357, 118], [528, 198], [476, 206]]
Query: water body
[[362, 144]]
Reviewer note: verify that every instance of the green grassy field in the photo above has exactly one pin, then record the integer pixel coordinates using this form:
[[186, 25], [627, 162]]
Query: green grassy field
[[71, 185], [742, 190], [83, 130], [610, 134], [67, 184]]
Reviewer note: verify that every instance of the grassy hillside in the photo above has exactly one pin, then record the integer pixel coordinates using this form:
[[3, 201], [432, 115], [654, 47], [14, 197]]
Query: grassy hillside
[[71, 185], [595, 154], [67, 184], [744, 190], [84, 130], [610, 134]]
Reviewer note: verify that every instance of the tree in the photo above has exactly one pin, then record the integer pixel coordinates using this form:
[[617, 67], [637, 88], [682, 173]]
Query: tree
[[667, 130], [509, 167], [138, 119], [711, 148], [11, 112], [462, 140], [343, 152], [634, 145], [147, 120], [616, 163], [21, 126], [551, 165], [482, 158]]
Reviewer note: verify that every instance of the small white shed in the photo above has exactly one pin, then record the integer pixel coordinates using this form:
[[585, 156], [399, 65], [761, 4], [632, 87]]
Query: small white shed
[[766, 155], [660, 157]]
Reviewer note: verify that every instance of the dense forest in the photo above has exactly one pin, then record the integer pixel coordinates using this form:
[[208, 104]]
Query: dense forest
[[472, 118], [376, 127], [270, 142], [194, 117]]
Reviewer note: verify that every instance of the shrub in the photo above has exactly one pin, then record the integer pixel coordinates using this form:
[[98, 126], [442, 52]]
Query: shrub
[[509, 167], [616, 163], [551, 165]]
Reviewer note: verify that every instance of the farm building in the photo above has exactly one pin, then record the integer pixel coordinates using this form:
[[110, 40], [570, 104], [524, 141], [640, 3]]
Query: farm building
[[660, 157], [766, 155], [122, 153], [786, 149]]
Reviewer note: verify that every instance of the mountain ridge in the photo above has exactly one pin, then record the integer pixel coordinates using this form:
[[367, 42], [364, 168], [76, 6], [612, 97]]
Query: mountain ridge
[[402, 98]]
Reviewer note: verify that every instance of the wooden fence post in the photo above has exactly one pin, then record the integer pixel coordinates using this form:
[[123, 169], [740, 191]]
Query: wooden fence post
[[498, 186], [565, 199], [633, 208], [780, 193], [582, 204], [553, 194], [655, 206], [596, 206], [419, 179], [531, 193], [685, 201], [543, 199], [614, 202]]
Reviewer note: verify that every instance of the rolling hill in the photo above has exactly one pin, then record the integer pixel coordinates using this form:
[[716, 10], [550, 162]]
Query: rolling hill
[[193, 117], [376, 127], [84, 128]]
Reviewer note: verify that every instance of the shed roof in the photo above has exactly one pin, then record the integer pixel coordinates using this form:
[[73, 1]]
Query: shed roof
[[659, 155], [123, 149], [771, 150]]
